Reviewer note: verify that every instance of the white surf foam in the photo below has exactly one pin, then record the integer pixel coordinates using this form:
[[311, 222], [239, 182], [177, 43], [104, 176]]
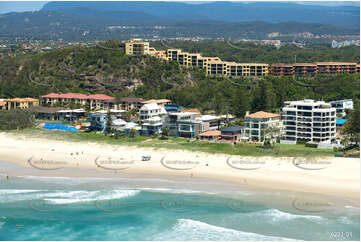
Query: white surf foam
[[88, 196], [12, 191], [278, 216], [188, 229]]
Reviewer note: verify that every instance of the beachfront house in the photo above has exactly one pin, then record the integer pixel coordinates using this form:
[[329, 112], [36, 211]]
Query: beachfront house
[[98, 119], [152, 126], [261, 125], [210, 135], [232, 134], [151, 110]]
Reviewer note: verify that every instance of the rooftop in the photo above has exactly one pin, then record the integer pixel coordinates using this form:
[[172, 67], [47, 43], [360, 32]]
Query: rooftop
[[26, 99], [233, 128], [78, 96], [262, 114], [156, 101], [211, 133]]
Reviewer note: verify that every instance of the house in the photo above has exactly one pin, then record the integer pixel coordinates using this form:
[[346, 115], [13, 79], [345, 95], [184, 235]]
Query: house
[[341, 106], [174, 121], [232, 134], [91, 101], [309, 121], [151, 110], [71, 115], [98, 119], [20, 103], [152, 126], [256, 124], [210, 135], [213, 122]]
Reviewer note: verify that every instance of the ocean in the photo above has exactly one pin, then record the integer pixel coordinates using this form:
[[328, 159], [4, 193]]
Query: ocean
[[45, 208]]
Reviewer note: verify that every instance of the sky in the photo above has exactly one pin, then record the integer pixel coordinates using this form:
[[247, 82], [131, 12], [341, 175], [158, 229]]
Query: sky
[[14, 6]]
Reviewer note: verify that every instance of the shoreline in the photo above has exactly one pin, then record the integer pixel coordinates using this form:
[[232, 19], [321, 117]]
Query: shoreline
[[336, 177]]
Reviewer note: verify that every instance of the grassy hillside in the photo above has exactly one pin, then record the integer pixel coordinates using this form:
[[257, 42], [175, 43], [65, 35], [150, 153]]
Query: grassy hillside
[[97, 70]]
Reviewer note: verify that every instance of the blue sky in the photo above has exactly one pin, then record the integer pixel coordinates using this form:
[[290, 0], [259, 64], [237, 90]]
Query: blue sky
[[14, 6]]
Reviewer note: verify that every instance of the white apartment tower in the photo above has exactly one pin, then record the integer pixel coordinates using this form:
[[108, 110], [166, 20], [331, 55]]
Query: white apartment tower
[[309, 120]]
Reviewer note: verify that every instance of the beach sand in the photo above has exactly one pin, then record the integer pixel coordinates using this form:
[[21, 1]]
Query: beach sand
[[338, 177]]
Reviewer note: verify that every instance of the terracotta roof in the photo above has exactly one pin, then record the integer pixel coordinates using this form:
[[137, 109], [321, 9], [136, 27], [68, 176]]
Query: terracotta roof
[[211, 133], [26, 99], [78, 96], [336, 63], [262, 114]]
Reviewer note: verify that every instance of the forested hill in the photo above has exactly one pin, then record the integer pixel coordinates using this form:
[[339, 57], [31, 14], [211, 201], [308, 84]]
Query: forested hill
[[97, 70]]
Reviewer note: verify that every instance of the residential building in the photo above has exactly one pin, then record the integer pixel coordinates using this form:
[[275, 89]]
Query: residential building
[[336, 67], [150, 110], [91, 101], [309, 121], [173, 119], [282, 70], [49, 113], [341, 106], [126, 103], [136, 47], [152, 126], [314, 68], [98, 119], [188, 124], [256, 124], [232, 134], [210, 135], [19, 103], [215, 66]]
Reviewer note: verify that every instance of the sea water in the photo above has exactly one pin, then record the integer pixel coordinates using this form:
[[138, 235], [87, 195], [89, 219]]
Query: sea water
[[44, 208]]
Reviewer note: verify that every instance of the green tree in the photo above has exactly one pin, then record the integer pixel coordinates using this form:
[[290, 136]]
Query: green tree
[[108, 123], [240, 102], [352, 127]]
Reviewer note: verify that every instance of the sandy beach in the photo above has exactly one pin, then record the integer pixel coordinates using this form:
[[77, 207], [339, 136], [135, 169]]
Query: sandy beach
[[339, 177]]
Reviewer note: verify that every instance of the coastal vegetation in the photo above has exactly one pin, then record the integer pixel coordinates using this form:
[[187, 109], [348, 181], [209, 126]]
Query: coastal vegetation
[[16, 119], [172, 143]]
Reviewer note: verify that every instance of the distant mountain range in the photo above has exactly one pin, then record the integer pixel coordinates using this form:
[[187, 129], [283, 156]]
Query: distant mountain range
[[105, 20], [274, 12]]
